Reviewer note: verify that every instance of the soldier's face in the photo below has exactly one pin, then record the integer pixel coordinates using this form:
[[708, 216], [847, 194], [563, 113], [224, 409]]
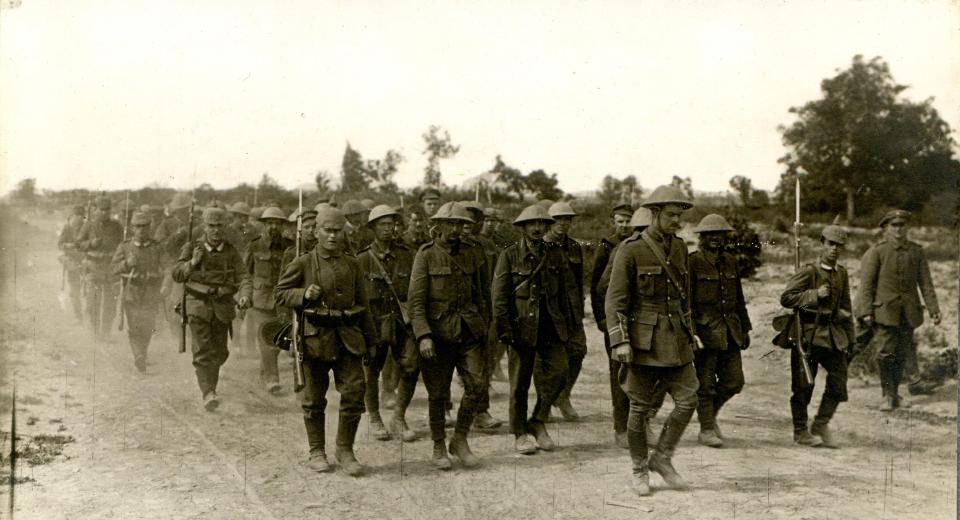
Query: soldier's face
[[534, 230], [414, 222], [102, 214], [214, 233], [669, 218], [140, 233], [330, 236], [383, 229], [273, 227], [562, 225], [713, 241], [309, 228], [896, 230], [621, 225], [450, 230], [490, 226], [830, 250], [430, 206]]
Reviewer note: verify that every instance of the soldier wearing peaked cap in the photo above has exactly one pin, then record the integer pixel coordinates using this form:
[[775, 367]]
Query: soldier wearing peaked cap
[[430, 201], [98, 239], [216, 282], [139, 264], [821, 293], [894, 273], [652, 336], [308, 238]]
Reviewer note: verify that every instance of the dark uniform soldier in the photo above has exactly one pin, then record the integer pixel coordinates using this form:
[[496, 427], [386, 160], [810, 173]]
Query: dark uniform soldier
[[890, 274], [98, 239], [138, 263], [216, 281], [387, 264], [415, 234], [72, 258], [430, 201], [308, 237], [533, 318], [328, 287], [239, 232], [620, 217], [263, 264], [651, 333], [359, 236], [722, 324], [171, 234], [821, 293], [448, 308]]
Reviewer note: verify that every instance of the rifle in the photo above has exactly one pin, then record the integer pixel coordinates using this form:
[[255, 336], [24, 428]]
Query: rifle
[[804, 359], [404, 313], [183, 297], [126, 216], [123, 291], [296, 347]]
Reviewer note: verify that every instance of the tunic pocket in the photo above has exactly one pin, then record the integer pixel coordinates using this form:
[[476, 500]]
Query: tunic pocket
[[641, 329], [646, 278]]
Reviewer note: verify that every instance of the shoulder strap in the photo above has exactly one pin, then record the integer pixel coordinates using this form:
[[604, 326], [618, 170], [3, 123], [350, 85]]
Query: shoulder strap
[[674, 279]]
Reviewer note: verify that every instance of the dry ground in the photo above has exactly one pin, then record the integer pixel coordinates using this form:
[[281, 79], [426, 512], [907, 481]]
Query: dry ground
[[144, 449]]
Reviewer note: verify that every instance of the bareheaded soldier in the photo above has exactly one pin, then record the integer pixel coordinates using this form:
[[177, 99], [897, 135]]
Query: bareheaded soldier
[[98, 239], [387, 263], [263, 264], [821, 294], [890, 274], [216, 281], [722, 324], [448, 306], [651, 333], [72, 258], [138, 262], [328, 288], [533, 318]]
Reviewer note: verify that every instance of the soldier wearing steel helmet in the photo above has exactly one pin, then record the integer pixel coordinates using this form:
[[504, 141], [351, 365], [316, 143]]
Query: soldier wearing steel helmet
[[891, 272], [652, 336], [216, 282], [72, 258], [821, 294], [358, 235], [139, 264], [534, 319], [329, 289], [722, 324], [239, 232], [386, 263], [449, 311], [263, 263], [98, 239]]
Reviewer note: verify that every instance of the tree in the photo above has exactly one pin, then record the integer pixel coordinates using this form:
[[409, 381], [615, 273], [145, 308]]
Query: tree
[[611, 190], [859, 143], [685, 185], [437, 147], [380, 172], [26, 191], [543, 185], [353, 173], [511, 177], [322, 179], [743, 186]]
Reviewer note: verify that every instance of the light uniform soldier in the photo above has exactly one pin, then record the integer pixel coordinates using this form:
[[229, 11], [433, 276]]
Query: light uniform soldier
[[263, 264], [359, 236], [216, 281], [448, 306], [620, 217], [138, 263], [171, 234], [328, 288], [821, 294], [72, 259], [891, 272], [387, 264], [98, 239], [533, 318], [722, 324], [651, 333], [240, 233]]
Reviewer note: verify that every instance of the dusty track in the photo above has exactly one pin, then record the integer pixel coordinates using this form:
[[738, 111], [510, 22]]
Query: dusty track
[[145, 449]]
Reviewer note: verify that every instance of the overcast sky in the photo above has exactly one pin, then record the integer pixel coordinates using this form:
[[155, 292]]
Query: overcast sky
[[120, 94]]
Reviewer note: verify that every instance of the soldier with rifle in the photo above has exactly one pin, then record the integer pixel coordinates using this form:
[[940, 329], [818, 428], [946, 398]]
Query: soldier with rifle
[[72, 259], [98, 239], [171, 234]]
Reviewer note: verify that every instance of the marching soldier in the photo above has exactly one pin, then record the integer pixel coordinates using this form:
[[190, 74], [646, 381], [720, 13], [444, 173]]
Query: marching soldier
[[263, 265], [98, 239], [492, 219], [430, 201], [213, 275], [620, 217], [327, 286], [890, 274], [138, 263], [722, 324], [821, 293], [533, 318], [448, 308], [387, 263], [72, 258], [651, 334], [171, 234], [308, 237], [239, 233], [358, 234], [415, 234]]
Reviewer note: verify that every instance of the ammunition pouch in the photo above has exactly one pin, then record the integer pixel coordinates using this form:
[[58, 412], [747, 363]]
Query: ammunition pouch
[[204, 291], [331, 318]]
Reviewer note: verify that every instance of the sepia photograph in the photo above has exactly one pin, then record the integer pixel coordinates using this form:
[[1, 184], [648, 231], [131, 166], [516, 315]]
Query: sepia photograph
[[318, 259]]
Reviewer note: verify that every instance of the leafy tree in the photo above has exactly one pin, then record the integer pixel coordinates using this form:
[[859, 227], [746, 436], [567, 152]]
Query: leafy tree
[[26, 191], [353, 172], [743, 242], [322, 179], [743, 186], [438, 146], [380, 172], [685, 185], [543, 185], [611, 190], [511, 177], [861, 140]]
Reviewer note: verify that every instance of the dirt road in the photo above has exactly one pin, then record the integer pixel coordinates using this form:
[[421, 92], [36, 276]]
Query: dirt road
[[143, 448]]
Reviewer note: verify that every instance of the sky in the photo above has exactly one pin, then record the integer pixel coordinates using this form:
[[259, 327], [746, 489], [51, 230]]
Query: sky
[[121, 94]]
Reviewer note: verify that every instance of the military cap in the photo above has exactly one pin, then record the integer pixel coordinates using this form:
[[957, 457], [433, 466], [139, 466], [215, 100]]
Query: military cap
[[712, 223], [321, 205], [452, 211], [834, 234], [307, 213], [546, 203], [643, 217], [140, 219], [331, 215], [492, 214], [368, 203], [473, 206], [240, 208], [145, 208], [180, 201], [667, 194], [533, 213], [214, 215], [352, 207], [78, 209], [561, 209], [430, 193], [272, 213], [623, 208], [102, 202], [894, 214], [216, 203], [381, 211], [256, 212]]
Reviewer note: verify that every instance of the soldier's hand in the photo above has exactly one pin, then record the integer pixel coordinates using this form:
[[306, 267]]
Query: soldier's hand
[[697, 344], [868, 321], [622, 354], [936, 318], [823, 291], [312, 292], [243, 303], [197, 256], [427, 351], [746, 342]]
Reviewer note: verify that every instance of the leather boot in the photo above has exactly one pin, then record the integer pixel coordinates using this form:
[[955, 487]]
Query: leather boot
[[346, 433], [567, 410], [539, 432], [637, 443], [485, 421], [652, 436], [660, 458], [620, 439], [460, 449], [316, 441], [377, 427], [398, 425], [440, 459]]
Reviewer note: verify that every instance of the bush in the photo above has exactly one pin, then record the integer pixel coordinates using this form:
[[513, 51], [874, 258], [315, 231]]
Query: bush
[[744, 242]]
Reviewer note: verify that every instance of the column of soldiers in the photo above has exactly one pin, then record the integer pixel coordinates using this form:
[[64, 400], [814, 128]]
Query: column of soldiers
[[367, 288]]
